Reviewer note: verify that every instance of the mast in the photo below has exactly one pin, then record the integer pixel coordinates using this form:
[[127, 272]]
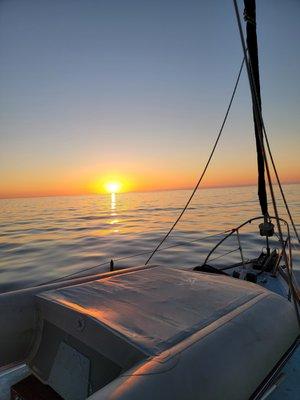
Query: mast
[[250, 18]]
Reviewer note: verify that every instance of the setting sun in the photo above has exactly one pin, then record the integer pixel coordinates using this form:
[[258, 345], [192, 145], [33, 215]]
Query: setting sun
[[112, 187], [110, 183]]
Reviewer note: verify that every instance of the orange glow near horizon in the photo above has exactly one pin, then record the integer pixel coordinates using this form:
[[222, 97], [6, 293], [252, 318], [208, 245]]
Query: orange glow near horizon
[[118, 105], [134, 179]]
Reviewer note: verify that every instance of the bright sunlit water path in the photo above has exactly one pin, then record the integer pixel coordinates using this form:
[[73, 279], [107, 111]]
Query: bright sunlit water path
[[46, 238]]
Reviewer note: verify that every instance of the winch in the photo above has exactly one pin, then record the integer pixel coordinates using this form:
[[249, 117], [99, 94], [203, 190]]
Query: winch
[[266, 228]]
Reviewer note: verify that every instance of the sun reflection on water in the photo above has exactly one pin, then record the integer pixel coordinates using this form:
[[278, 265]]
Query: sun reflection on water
[[113, 202], [37, 231], [113, 213]]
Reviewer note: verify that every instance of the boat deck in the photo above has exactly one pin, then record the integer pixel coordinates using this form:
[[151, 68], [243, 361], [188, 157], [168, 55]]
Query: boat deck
[[9, 376], [153, 309], [289, 387]]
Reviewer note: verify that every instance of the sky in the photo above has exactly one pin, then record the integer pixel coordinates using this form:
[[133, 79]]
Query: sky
[[94, 91]]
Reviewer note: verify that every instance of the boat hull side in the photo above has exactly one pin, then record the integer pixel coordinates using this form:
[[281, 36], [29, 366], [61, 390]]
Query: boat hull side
[[227, 360]]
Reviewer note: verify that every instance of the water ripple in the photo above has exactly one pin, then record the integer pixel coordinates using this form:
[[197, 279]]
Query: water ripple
[[46, 238]]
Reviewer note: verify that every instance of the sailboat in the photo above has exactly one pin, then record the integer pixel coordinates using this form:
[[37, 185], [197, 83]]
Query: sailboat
[[165, 333]]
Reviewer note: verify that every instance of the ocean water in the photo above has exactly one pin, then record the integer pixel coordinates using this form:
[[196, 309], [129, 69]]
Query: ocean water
[[42, 239]]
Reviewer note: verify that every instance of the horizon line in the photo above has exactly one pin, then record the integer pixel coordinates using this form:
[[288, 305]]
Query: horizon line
[[36, 196]]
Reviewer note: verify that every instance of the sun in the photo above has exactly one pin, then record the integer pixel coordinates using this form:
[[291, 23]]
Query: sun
[[113, 187], [111, 184]]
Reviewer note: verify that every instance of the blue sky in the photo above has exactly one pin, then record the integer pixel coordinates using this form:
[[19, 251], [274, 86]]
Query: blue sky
[[139, 89]]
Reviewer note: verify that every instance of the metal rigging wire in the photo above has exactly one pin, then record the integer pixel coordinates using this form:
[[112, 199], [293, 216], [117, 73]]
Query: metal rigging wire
[[259, 118], [183, 210], [205, 168], [81, 271]]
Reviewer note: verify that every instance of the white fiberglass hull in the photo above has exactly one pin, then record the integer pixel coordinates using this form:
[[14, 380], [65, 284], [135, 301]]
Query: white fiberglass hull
[[149, 333]]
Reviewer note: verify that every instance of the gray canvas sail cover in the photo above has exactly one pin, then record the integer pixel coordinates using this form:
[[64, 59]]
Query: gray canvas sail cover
[[162, 333]]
